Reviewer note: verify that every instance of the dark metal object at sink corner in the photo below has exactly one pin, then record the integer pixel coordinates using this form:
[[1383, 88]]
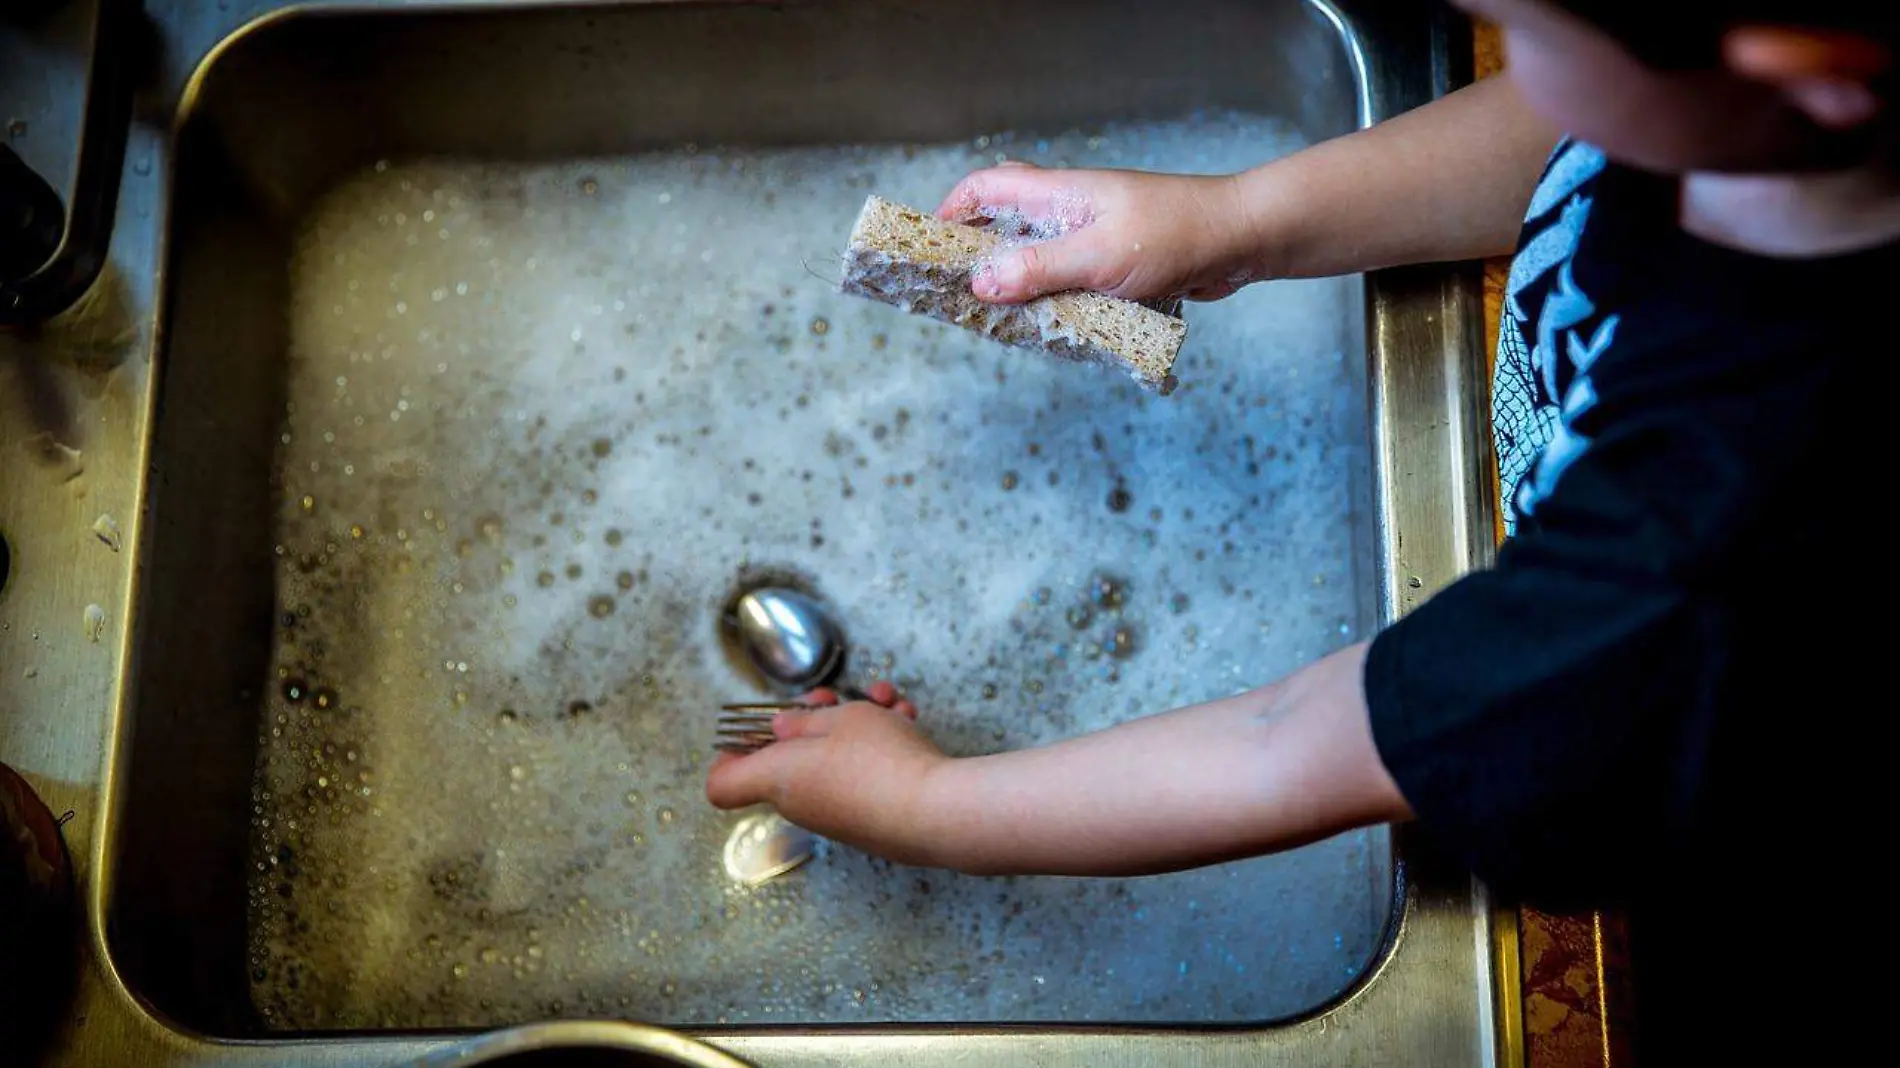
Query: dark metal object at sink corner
[[161, 891], [36, 919], [52, 250]]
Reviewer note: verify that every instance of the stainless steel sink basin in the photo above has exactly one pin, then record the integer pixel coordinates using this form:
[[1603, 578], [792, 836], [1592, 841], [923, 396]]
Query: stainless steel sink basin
[[498, 350]]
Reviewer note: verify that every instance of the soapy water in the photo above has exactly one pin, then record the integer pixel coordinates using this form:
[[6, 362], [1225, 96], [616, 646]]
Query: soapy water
[[543, 420], [1069, 210]]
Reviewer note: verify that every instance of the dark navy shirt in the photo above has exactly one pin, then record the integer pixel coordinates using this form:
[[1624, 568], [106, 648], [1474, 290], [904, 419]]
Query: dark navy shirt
[[1669, 679]]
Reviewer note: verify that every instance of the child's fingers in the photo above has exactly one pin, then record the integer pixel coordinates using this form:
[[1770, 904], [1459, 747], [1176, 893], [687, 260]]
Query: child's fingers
[[885, 694], [801, 723], [738, 781], [822, 696], [1025, 188], [1013, 275]]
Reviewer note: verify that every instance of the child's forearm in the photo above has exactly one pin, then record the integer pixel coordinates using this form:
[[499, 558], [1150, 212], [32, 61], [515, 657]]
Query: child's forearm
[[1446, 181], [1268, 770]]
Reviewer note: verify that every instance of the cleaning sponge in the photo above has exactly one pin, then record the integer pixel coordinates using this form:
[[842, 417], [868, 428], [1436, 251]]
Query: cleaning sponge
[[923, 264]]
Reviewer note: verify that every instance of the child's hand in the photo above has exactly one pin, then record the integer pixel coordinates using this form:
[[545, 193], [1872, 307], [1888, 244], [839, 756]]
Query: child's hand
[[850, 772], [1129, 234]]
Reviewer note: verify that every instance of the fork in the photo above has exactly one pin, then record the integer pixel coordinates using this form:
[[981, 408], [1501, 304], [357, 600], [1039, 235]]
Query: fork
[[746, 727]]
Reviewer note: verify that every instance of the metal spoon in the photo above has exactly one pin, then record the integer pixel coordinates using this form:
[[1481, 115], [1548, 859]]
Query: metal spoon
[[788, 637]]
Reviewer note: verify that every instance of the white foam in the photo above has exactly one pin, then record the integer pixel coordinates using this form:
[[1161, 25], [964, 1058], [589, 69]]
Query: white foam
[[506, 376]]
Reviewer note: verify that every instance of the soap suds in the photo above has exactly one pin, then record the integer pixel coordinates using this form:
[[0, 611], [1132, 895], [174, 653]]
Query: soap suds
[[542, 418]]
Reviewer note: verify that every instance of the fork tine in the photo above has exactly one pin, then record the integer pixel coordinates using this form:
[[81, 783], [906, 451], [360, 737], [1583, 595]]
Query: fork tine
[[746, 727], [747, 737]]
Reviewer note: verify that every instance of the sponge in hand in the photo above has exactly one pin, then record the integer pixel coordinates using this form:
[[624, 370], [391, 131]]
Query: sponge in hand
[[923, 264]]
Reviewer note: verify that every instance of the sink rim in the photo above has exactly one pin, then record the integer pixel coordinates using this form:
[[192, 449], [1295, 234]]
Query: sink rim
[[1404, 310]]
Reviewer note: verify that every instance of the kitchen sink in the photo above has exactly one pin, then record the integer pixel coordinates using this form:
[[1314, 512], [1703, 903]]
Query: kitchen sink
[[498, 349]]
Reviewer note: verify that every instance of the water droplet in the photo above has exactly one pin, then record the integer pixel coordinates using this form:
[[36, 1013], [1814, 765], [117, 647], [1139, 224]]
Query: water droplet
[[667, 815], [601, 606], [106, 529], [307, 503], [1080, 616], [323, 698], [94, 622], [624, 580], [517, 772], [602, 446], [821, 326], [295, 691], [544, 579], [1009, 480], [1179, 603]]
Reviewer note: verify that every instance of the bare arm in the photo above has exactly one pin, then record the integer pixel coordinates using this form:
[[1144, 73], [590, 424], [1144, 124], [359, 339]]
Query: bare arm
[[1447, 181], [1265, 771]]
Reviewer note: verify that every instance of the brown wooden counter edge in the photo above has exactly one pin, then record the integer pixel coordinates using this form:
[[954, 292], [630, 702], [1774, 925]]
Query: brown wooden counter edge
[[1575, 968]]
